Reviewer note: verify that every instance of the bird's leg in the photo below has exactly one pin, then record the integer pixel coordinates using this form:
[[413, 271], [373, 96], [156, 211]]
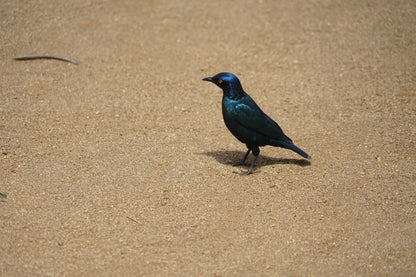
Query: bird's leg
[[256, 152], [244, 158]]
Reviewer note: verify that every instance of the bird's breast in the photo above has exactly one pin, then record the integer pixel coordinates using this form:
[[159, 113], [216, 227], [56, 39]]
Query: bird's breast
[[230, 115], [229, 110]]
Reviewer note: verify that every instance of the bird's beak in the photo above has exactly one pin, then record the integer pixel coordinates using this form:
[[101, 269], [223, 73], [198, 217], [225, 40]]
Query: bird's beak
[[209, 79]]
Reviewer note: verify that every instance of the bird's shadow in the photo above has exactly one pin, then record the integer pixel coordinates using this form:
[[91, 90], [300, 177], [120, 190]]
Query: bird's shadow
[[233, 157]]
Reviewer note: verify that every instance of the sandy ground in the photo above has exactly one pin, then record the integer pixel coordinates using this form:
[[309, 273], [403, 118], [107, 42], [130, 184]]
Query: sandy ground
[[122, 165]]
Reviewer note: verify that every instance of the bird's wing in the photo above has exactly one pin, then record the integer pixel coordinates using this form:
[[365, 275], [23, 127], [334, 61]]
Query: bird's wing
[[252, 117]]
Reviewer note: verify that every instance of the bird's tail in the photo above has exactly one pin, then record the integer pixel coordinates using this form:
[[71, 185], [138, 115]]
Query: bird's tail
[[291, 146]]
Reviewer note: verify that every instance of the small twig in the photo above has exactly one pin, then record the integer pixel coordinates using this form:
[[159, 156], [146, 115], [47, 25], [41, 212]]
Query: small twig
[[3, 197], [132, 219], [26, 58]]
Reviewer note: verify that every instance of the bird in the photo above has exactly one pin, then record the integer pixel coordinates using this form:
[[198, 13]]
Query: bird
[[247, 122]]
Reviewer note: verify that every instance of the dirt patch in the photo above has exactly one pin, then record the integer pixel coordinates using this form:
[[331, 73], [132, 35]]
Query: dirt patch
[[121, 165]]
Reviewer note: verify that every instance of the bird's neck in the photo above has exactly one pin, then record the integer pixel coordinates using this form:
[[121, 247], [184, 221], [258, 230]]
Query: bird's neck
[[234, 91]]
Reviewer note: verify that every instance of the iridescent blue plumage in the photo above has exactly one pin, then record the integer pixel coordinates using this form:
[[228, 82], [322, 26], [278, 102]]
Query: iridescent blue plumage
[[246, 121]]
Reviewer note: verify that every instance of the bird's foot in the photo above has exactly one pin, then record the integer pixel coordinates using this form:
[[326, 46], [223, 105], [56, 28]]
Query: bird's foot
[[242, 162], [250, 170], [247, 172]]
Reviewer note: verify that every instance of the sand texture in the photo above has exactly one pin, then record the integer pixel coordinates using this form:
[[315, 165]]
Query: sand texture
[[122, 165]]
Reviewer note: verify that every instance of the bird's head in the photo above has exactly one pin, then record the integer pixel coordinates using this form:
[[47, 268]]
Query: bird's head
[[229, 84]]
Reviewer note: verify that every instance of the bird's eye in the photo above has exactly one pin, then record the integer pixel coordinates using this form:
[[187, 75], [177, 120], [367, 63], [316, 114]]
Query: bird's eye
[[219, 81]]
